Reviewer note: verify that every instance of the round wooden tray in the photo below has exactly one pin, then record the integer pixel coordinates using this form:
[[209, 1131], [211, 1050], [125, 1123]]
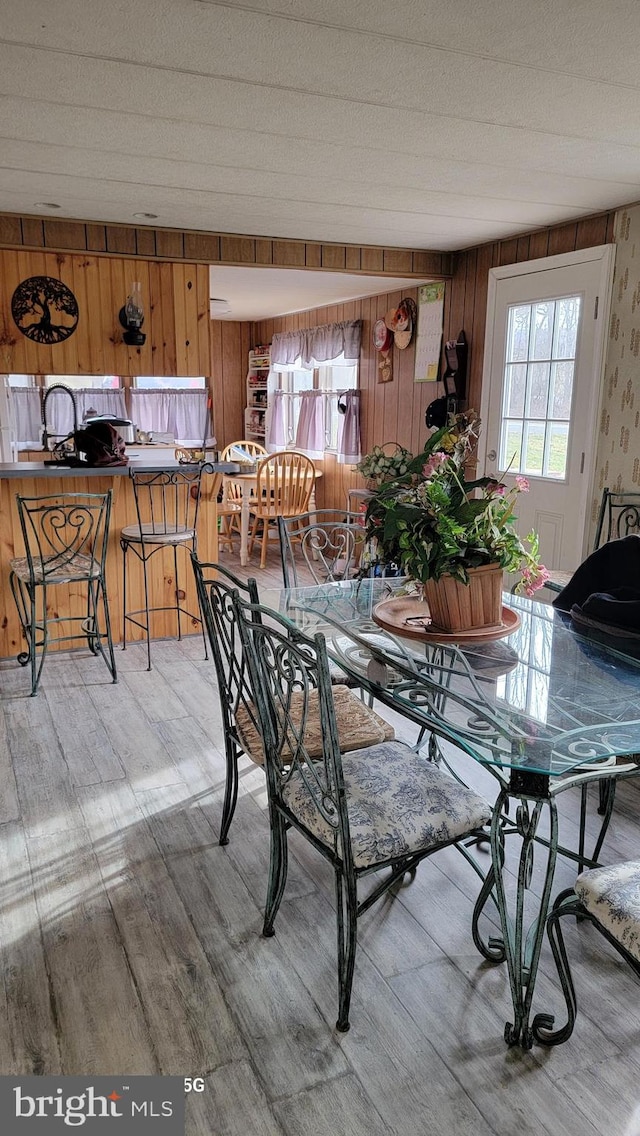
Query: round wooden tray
[[393, 615]]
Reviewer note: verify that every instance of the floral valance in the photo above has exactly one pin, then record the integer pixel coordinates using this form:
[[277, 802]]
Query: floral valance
[[312, 345]]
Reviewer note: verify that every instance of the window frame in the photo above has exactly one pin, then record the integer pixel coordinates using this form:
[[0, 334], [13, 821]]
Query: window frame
[[319, 383]]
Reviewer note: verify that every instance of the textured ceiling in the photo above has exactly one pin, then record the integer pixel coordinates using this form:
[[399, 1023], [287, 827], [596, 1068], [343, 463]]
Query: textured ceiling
[[259, 293], [420, 123]]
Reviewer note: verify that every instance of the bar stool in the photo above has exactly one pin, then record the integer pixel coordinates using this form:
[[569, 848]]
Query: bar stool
[[167, 504], [65, 540]]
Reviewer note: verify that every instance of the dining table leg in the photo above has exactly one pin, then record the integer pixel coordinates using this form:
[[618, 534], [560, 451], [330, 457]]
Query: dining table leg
[[244, 524], [522, 914]]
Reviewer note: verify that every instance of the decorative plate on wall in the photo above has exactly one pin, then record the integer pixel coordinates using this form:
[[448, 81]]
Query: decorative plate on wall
[[382, 337], [44, 309]]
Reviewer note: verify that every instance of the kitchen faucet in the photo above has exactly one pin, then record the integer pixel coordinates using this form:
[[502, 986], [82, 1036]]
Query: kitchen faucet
[[45, 433]]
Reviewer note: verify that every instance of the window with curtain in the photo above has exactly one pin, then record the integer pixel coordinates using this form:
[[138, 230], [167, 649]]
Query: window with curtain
[[304, 406], [101, 400], [182, 414], [314, 376], [99, 393], [26, 416]]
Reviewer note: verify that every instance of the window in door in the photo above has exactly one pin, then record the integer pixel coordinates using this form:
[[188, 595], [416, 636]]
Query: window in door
[[538, 386]]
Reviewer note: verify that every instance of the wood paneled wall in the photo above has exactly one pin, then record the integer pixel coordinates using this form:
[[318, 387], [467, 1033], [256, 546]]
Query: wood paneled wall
[[176, 304], [23, 231], [231, 342], [394, 412]]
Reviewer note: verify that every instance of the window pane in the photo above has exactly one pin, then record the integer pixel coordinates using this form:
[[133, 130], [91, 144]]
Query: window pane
[[518, 333], [515, 386], [84, 382], [168, 382], [334, 378], [558, 445], [301, 380], [510, 446], [533, 447], [22, 380], [538, 393], [542, 329], [567, 321], [538, 390], [561, 389]]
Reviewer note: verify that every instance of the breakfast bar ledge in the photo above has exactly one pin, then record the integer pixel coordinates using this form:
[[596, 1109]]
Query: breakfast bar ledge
[[40, 479]]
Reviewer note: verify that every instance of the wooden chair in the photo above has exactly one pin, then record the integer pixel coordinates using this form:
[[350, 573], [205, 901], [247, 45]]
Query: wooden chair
[[230, 506], [619, 516], [609, 897], [380, 809], [284, 484]]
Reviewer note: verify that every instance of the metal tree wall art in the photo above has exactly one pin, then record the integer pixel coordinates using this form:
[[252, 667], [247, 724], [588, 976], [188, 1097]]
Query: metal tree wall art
[[44, 309]]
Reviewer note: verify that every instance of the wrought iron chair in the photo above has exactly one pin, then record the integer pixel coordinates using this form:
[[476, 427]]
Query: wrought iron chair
[[619, 516], [609, 898], [284, 484], [329, 543], [167, 504], [381, 808], [65, 540], [356, 724]]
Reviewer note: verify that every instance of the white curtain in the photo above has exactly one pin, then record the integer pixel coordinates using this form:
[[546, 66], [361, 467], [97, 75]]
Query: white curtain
[[349, 428], [310, 435], [276, 437], [102, 400], [314, 345], [26, 412], [182, 413]]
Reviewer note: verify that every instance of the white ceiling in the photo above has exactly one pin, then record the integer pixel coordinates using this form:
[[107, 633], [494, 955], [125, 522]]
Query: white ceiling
[[420, 123], [259, 293]]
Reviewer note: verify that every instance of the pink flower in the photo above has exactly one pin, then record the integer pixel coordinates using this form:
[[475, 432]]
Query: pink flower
[[496, 489], [522, 483], [534, 578], [433, 463]]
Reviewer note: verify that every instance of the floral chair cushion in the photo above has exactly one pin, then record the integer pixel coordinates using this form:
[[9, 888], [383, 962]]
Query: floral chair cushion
[[397, 803], [358, 726], [612, 896]]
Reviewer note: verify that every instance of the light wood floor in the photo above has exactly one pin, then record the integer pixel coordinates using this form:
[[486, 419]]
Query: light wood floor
[[130, 940]]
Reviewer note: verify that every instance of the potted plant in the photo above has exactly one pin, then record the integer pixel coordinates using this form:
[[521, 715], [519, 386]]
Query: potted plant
[[384, 463], [453, 536]]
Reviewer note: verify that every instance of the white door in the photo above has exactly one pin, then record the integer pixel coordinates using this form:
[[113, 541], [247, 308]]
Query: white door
[[543, 367]]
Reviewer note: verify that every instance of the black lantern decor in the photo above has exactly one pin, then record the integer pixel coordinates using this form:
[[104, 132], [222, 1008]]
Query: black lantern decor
[[132, 317]]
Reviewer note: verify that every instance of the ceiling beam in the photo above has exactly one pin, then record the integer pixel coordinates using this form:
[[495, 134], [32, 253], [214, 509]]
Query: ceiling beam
[[25, 231]]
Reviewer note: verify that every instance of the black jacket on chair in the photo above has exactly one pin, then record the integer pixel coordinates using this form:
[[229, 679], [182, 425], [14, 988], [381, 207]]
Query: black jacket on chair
[[606, 586]]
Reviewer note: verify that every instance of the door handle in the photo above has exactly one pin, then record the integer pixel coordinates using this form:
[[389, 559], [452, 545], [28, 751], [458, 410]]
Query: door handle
[[492, 455]]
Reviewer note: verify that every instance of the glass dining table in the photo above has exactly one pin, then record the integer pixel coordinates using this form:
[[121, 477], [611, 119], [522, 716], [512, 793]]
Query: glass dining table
[[544, 709]]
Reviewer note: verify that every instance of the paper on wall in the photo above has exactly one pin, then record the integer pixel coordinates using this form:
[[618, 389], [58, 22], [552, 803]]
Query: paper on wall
[[429, 336]]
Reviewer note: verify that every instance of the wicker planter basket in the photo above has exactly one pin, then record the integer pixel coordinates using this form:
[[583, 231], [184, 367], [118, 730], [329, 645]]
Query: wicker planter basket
[[460, 607]]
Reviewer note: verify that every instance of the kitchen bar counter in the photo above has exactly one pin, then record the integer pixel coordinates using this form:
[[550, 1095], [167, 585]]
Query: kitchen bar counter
[[150, 464], [40, 479]]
